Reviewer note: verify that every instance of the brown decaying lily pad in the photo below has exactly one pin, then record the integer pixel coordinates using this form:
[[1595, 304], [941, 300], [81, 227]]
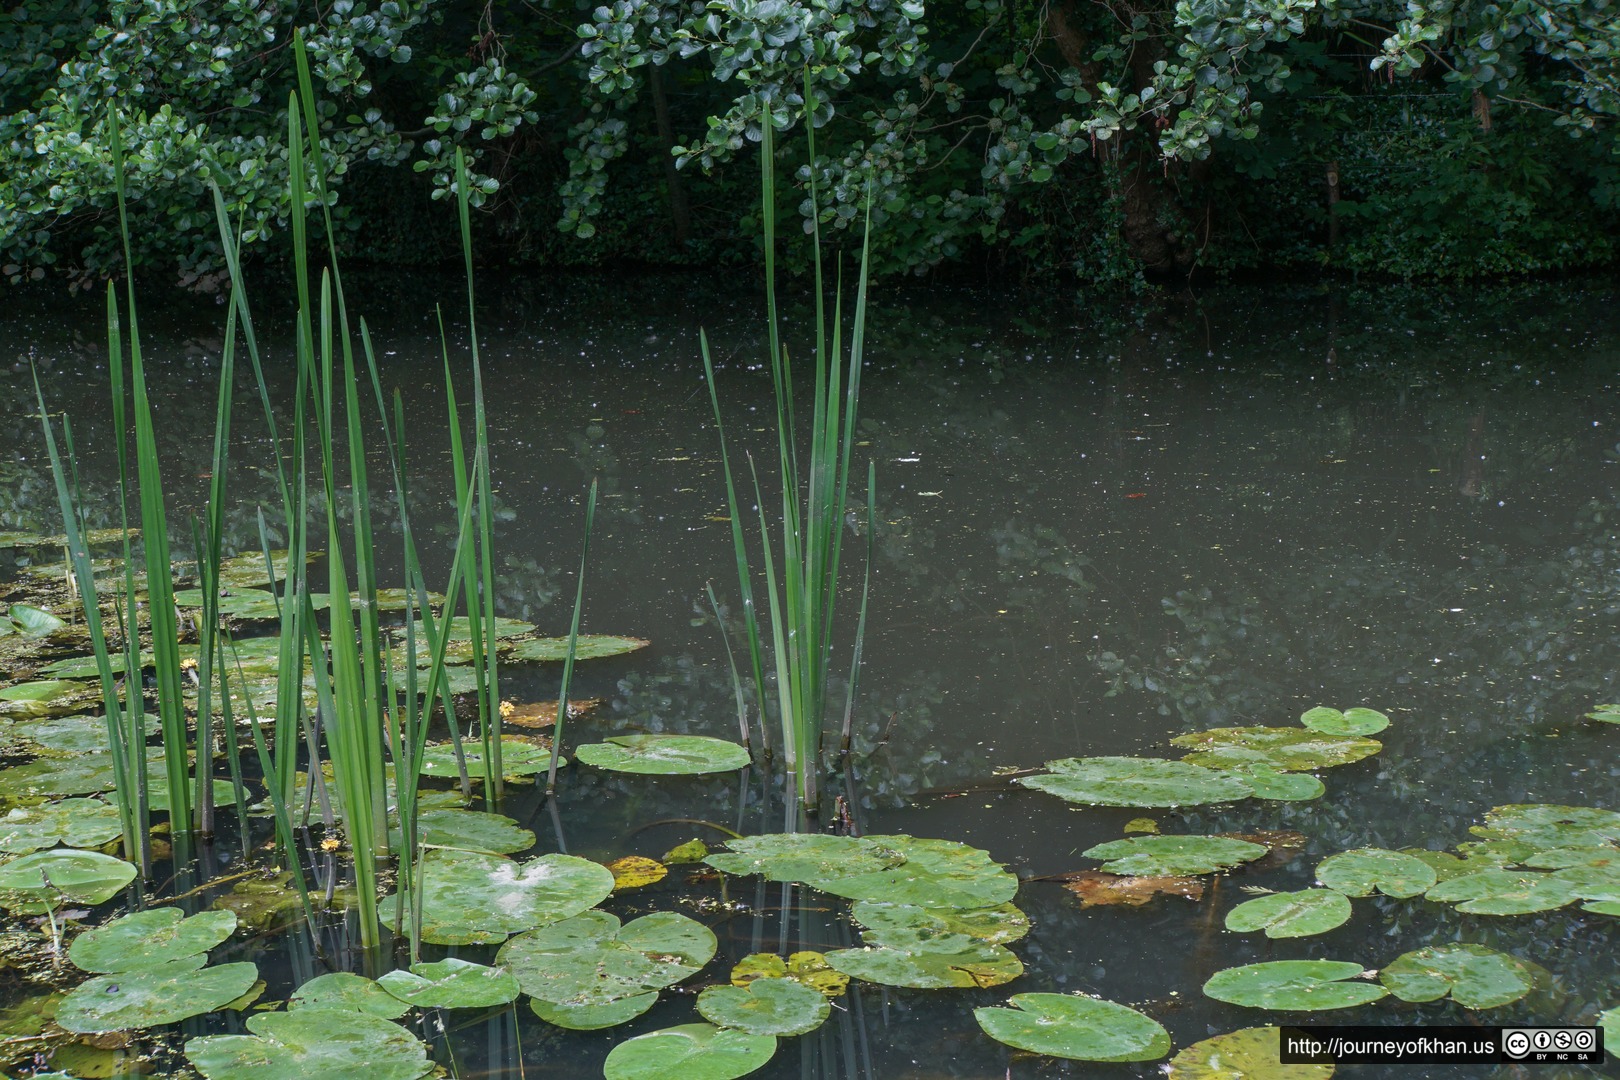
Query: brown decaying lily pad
[[543, 714], [1097, 889]]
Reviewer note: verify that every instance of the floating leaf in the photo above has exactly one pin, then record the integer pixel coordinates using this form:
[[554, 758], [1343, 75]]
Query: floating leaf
[[1080, 1028], [1173, 855], [997, 925], [635, 872], [1599, 882], [1608, 714], [77, 776], [1303, 985], [1249, 1054], [594, 1017], [1609, 1021], [249, 570], [1543, 825], [350, 994], [1361, 871], [246, 603], [165, 994], [1603, 907], [260, 903], [693, 851], [34, 883], [929, 961], [1505, 892], [312, 1043], [80, 823], [470, 898], [1349, 722], [451, 984], [590, 647], [593, 959], [1141, 825], [31, 621], [519, 757], [933, 873], [1476, 977], [1287, 749], [92, 538], [471, 830], [809, 968], [1603, 858], [1447, 866], [1290, 914], [543, 714], [148, 939], [1269, 782], [780, 1007], [802, 856], [74, 734], [1097, 889], [42, 691], [1128, 781], [664, 755], [689, 1052]]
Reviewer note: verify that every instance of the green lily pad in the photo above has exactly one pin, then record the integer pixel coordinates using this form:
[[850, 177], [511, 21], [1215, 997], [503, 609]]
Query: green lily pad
[[1291, 914], [42, 691], [1302, 985], [664, 755], [779, 1007], [34, 883], [31, 621], [471, 830], [1362, 871], [689, 1052], [590, 647], [1505, 892], [1249, 1054], [452, 984], [594, 1017], [347, 993], [313, 1043], [148, 939], [1607, 714], [92, 538], [165, 994], [74, 734], [1079, 1028], [248, 570], [470, 898], [934, 874], [1609, 1021], [929, 961], [1544, 826], [1155, 856], [802, 856], [1128, 781], [1287, 749], [79, 823], [593, 959], [997, 925], [1474, 976], [1269, 782], [1447, 866], [519, 757], [1349, 722], [1605, 857], [1603, 907], [1599, 883], [251, 604]]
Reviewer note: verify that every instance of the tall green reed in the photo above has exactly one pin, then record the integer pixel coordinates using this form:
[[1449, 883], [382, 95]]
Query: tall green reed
[[801, 576]]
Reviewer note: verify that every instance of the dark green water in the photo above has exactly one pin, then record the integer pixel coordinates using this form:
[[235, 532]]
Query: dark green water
[[1088, 542]]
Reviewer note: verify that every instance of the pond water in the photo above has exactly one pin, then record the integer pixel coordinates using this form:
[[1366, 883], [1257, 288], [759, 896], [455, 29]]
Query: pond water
[[1088, 541]]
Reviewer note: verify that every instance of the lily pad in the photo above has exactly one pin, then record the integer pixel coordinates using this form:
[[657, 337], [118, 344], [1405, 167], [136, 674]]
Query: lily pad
[[35, 883], [593, 1017], [452, 984], [248, 570], [593, 959], [590, 647], [471, 830], [1129, 781], [1363, 870], [470, 898], [1607, 714], [1544, 825], [248, 604], [934, 873], [1079, 1028], [1609, 1021], [664, 755], [149, 939], [1599, 882], [779, 1007], [79, 823], [1269, 782], [314, 1043], [31, 621], [1349, 722], [519, 757], [165, 994], [1447, 866], [929, 961], [636, 872], [1291, 914], [1505, 892], [997, 925], [349, 994], [1097, 889], [802, 856], [1302, 985], [1249, 1054], [1171, 855], [1287, 749], [73, 734], [689, 1052], [809, 968], [1476, 977]]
